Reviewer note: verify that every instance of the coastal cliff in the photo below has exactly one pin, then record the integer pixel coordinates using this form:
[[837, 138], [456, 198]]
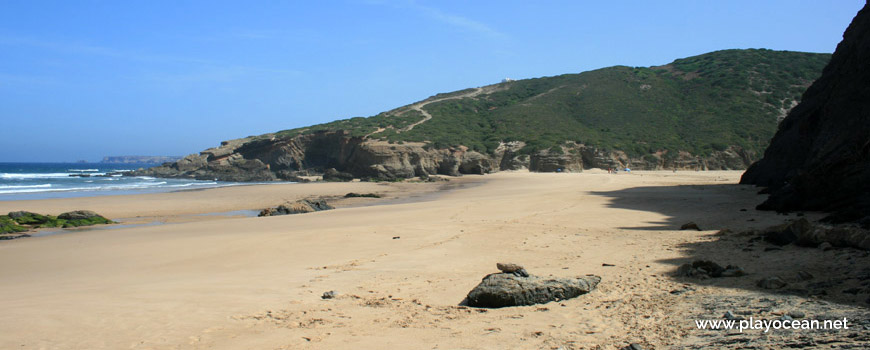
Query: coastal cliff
[[272, 157], [714, 111], [819, 158]]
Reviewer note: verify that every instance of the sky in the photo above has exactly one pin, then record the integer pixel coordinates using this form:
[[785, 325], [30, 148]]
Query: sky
[[80, 80]]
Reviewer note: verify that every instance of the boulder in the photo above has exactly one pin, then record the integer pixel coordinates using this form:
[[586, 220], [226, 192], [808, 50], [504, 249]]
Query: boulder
[[28, 218], [78, 215], [81, 218], [507, 289], [298, 207], [336, 176], [807, 234], [797, 231]]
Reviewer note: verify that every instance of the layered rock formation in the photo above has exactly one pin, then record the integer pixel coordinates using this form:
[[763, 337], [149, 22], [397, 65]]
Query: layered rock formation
[[819, 158], [271, 157]]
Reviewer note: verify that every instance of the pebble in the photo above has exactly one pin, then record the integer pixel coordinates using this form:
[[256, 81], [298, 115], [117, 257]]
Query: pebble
[[796, 314]]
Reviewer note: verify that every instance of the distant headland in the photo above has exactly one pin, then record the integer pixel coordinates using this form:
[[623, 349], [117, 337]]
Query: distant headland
[[139, 159]]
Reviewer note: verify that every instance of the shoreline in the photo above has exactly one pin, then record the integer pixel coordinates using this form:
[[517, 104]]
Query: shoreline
[[399, 193], [254, 197]]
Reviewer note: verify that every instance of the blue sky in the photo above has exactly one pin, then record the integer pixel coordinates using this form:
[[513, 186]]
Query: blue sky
[[84, 79]]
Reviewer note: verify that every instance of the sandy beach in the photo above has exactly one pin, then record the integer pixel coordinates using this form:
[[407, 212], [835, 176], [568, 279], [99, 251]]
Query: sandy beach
[[401, 268]]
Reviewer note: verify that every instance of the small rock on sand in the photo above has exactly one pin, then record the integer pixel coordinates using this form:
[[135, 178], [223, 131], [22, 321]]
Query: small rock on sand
[[772, 283], [633, 346], [515, 269], [690, 226]]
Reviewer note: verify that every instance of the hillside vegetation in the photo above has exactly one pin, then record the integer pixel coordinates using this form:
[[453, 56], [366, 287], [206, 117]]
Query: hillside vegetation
[[699, 104]]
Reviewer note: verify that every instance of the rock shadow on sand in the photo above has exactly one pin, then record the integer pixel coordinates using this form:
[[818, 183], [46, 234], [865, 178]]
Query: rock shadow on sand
[[726, 215]]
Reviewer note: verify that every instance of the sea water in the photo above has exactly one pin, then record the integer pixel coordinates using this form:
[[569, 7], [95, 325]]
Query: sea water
[[21, 181]]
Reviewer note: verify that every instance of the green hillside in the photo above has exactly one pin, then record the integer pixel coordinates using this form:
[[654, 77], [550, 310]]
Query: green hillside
[[697, 104]]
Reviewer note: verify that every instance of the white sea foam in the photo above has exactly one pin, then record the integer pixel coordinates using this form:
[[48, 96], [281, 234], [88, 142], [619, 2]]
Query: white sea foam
[[25, 186], [29, 190], [32, 175], [194, 184], [83, 170], [33, 189]]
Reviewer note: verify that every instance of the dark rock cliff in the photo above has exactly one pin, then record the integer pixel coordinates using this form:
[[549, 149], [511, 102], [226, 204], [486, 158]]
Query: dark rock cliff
[[819, 158]]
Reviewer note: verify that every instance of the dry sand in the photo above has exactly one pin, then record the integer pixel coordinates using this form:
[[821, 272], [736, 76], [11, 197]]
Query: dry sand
[[255, 283]]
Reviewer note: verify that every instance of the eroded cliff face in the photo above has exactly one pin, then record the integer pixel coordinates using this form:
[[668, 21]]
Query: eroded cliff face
[[270, 157], [819, 158]]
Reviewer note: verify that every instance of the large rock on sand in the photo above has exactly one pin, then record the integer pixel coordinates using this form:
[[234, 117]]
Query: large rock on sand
[[82, 218], [298, 207], [507, 289], [78, 215]]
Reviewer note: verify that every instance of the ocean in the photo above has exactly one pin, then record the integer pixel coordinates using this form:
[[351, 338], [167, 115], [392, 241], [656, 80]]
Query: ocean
[[22, 181]]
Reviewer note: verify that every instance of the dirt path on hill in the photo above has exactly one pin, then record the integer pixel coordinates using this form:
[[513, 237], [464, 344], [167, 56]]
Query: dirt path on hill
[[426, 116]]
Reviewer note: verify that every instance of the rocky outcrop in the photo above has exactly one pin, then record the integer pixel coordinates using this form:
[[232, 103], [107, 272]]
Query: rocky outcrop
[[298, 207], [819, 158], [271, 157], [80, 218], [509, 289], [336, 176], [550, 162], [805, 233], [22, 221]]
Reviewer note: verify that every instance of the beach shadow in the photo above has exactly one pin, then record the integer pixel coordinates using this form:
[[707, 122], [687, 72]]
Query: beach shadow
[[727, 217]]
